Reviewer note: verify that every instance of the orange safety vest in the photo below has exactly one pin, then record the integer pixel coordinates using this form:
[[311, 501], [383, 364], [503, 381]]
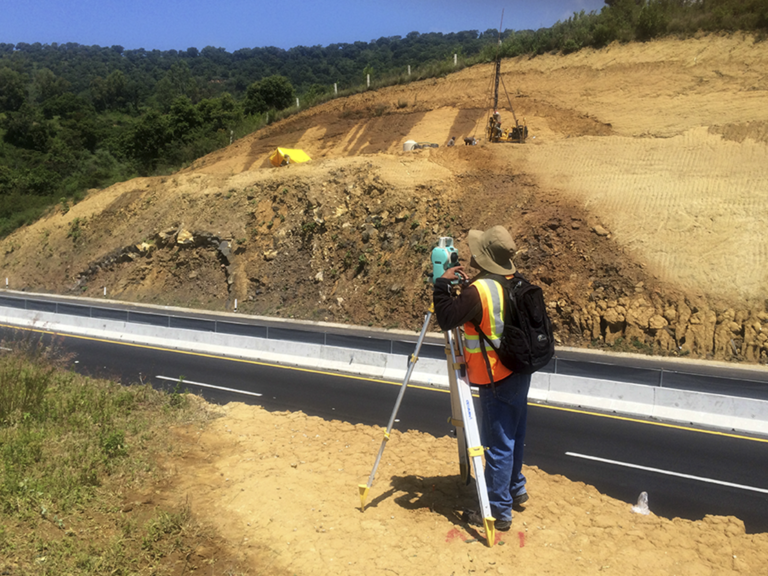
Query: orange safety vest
[[492, 325]]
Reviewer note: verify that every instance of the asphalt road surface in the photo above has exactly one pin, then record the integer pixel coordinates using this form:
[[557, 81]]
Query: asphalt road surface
[[687, 472]]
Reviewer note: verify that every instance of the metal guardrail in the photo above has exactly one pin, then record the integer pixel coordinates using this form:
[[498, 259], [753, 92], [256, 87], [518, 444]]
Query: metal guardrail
[[658, 377]]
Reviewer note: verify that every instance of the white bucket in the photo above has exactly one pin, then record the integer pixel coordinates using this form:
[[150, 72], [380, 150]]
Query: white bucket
[[408, 146]]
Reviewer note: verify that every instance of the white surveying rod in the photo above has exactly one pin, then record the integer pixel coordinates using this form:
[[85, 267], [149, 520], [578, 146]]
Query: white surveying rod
[[363, 488], [464, 417]]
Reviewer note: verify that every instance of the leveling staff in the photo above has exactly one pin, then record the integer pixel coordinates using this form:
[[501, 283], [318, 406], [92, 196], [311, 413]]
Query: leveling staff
[[503, 404]]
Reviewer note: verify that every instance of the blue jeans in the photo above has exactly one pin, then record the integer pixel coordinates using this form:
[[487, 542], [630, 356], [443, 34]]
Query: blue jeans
[[503, 433]]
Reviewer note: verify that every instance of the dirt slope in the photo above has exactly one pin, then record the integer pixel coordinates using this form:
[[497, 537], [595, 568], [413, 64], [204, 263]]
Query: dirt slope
[[639, 203]]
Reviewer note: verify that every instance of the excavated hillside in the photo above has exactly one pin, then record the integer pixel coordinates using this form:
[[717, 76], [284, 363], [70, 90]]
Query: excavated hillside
[[639, 203]]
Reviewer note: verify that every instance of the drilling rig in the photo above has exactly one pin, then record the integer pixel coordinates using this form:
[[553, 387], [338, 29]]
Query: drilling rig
[[517, 133]]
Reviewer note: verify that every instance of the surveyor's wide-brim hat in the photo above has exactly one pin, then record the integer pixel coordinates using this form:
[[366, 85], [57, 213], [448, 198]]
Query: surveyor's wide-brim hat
[[493, 250]]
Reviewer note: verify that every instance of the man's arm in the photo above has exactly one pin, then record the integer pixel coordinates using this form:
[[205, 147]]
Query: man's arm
[[453, 311]]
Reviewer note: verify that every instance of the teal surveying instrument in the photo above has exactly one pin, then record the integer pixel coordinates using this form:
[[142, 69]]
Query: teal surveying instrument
[[463, 414]]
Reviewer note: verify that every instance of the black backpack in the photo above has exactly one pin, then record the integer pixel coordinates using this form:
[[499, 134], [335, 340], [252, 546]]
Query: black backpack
[[527, 342]]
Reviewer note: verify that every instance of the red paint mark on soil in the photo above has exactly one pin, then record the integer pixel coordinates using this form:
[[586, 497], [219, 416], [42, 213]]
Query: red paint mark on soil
[[453, 533], [521, 537]]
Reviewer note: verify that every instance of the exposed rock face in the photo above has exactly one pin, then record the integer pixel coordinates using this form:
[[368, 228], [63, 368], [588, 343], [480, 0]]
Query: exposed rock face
[[680, 328]]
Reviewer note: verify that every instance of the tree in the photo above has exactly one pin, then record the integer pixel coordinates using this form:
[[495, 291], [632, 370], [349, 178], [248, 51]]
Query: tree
[[651, 22], [11, 90], [27, 128], [254, 102], [219, 113], [45, 85], [148, 140], [111, 93], [178, 81], [277, 92], [183, 118]]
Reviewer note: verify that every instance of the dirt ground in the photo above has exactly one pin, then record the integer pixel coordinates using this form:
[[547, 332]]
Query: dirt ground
[[282, 490], [639, 204]]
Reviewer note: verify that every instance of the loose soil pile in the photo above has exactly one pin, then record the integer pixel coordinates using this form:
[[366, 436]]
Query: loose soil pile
[[639, 204]]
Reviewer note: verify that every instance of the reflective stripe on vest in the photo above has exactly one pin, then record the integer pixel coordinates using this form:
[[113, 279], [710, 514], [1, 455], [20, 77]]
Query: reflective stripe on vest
[[492, 325]]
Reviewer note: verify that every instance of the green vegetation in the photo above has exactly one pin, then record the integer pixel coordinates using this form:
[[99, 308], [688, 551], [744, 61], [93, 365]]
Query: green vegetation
[[76, 117], [70, 447]]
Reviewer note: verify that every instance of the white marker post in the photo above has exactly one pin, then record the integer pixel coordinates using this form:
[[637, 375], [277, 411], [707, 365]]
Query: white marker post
[[409, 69], [297, 102], [235, 304], [369, 80], [455, 59], [105, 291]]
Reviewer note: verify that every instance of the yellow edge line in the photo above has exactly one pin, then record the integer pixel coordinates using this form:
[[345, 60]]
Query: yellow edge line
[[350, 377]]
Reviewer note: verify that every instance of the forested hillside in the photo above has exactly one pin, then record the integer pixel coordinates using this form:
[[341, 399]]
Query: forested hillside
[[76, 117]]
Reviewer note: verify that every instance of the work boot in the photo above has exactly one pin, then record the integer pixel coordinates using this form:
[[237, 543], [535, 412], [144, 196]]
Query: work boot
[[474, 518], [519, 500]]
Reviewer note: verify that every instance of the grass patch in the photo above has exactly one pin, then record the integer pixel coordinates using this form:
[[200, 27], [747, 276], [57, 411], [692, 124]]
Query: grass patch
[[76, 455]]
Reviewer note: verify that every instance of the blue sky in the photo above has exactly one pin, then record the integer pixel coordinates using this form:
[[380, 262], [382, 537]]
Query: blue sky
[[235, 24]]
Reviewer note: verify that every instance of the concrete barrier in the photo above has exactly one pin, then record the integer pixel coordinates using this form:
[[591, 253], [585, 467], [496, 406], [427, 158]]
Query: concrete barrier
[[688, 407]]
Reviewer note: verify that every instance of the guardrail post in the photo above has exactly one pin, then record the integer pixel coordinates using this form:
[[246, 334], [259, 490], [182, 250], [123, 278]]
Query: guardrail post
[[661, 377]]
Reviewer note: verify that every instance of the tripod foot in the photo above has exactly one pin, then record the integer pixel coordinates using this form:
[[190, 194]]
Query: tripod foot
[[489, 524], [363, 488]]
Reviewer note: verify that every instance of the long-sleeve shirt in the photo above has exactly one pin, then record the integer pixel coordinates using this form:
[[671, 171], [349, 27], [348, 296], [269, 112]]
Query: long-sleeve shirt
[[452, 311]]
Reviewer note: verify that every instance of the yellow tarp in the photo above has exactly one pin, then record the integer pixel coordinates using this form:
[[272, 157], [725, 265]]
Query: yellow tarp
[[295, 156]]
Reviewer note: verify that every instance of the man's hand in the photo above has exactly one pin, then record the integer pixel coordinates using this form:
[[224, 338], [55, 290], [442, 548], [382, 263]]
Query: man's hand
[[452, 273]]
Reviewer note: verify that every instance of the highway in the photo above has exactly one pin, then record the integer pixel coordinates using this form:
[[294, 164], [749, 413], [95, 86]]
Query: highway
[[687, 472]]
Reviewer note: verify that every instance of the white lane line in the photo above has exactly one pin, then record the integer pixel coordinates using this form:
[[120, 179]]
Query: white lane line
[[208, 385], [668, 472]]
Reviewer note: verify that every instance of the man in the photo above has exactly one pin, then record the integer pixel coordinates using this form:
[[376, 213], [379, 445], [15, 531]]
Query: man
[[503, 395]]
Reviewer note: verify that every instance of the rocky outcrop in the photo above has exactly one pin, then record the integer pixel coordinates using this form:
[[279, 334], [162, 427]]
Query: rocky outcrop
[[669, 328]]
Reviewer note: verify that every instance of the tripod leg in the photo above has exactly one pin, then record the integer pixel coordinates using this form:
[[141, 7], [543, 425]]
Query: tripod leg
[[454, 356], [364, 488], [474, 448]]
